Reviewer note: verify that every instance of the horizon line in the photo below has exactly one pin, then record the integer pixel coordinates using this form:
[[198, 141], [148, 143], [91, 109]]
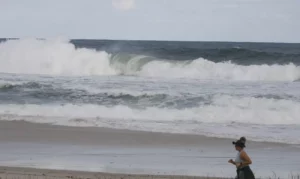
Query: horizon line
[[154, 40]]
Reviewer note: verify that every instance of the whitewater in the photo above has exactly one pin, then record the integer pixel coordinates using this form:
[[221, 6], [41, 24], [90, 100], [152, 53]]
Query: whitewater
[[60, 57], [210, 93]]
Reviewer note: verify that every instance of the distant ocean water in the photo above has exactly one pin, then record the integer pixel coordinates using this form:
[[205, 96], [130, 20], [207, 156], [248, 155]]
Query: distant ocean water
[[214, 89]]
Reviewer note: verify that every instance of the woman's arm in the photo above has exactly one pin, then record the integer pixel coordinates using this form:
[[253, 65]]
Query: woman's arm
[[246, 159], [232, 162]]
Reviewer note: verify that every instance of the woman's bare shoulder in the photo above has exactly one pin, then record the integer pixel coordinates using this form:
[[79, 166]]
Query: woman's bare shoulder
[[243, 152]]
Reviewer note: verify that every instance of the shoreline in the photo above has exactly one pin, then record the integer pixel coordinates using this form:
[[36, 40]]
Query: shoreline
[[90, 135]]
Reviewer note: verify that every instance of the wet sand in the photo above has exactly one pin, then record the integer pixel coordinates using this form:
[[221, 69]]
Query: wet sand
[[45, 146], [22, 173]]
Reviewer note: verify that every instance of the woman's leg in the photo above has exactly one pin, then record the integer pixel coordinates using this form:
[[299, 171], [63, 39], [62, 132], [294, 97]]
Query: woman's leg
[[248, 174], [241, 175]]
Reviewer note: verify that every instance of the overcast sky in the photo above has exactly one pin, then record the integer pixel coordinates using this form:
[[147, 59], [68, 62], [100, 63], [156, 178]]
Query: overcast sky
[[196, 20]]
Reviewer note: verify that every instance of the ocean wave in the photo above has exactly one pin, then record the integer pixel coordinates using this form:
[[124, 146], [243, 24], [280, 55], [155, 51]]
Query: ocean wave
[[229, 113], [21, 86], [239, 53], [39, 93], [52, 57], [245, 56], [205, 69], [57, 57], [223, 109], [35, 93]]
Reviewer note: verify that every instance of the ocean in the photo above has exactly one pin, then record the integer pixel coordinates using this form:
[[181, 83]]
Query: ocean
[[215, 89]]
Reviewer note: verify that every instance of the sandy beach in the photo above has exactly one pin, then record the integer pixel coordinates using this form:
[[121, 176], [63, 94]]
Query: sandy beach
[[44, 146], [21, 173]]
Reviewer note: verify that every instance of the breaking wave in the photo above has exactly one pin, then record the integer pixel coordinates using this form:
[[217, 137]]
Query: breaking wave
[[60, 57]]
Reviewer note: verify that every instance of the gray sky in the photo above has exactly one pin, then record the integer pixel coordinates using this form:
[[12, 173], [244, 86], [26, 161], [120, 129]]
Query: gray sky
[[196, 20]]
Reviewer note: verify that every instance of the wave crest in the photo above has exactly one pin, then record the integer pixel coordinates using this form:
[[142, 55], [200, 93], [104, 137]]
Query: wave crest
[[57, 57], [205, 69], [51, 57]]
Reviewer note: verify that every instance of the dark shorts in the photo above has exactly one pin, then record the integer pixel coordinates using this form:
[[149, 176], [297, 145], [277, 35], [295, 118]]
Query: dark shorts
[[245, 173]]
